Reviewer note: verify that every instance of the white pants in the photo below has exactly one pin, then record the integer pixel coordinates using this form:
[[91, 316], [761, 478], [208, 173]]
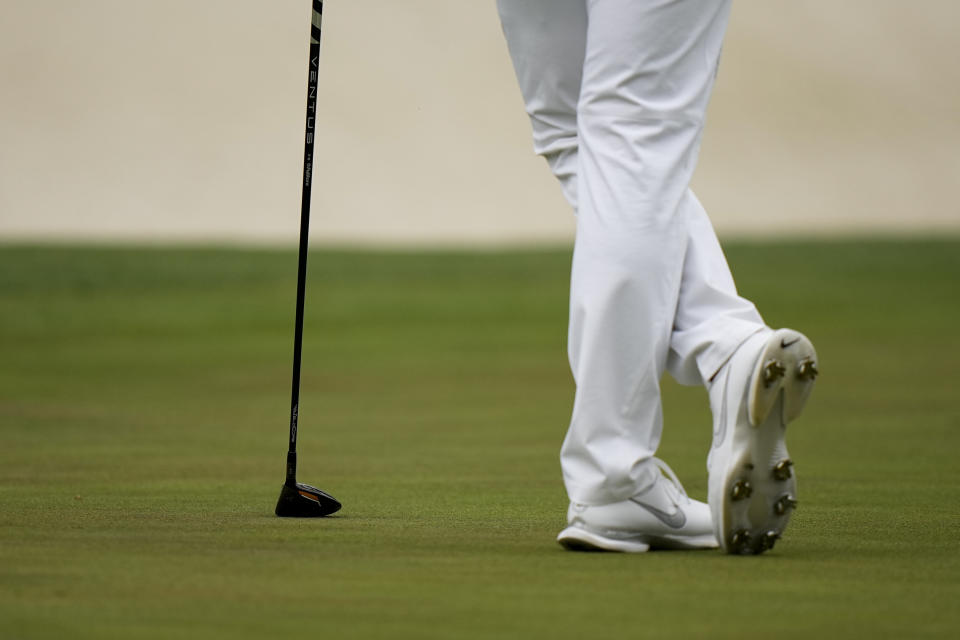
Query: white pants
[[617, 92]]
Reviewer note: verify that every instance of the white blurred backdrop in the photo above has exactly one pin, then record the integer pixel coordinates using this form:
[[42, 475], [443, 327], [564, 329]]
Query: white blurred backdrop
[[127, 120]]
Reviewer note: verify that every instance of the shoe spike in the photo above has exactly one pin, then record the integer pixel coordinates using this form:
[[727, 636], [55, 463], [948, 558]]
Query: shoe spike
[[740, 541], [784, 504], [782, 471], [773, 371], [768, 540], [807, 370], [741, 489]]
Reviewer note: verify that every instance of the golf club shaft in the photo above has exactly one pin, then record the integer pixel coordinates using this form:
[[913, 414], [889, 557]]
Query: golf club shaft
[[309, 135]]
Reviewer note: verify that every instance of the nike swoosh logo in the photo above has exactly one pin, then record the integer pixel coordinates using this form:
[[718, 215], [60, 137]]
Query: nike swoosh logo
[[784, 344], [674, 520]]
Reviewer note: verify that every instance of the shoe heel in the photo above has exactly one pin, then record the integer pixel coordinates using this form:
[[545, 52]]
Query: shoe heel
[[799, 384], [788, 367]]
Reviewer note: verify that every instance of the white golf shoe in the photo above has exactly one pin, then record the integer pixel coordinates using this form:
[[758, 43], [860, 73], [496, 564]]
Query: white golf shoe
[[660, 517], [753, 488]]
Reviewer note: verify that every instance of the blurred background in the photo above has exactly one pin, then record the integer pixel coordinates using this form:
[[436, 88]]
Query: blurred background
[[123, 120]]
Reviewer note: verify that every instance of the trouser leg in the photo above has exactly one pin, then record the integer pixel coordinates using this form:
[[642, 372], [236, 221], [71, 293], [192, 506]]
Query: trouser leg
[[712, 320], [621, 131], [547, 40]]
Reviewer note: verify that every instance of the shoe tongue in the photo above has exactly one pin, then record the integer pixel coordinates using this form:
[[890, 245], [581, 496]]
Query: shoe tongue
[[663, 494], [668, 481], [670, 490]]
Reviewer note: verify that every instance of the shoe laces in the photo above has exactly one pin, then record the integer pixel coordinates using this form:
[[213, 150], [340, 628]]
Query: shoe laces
[[674, 485]]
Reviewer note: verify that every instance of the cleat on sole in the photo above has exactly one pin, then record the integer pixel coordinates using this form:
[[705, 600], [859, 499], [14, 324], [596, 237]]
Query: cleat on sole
[[807, 370], [784, 505], [782, 471], [773, 370], [768, 540], [741, 489], [741, 542]]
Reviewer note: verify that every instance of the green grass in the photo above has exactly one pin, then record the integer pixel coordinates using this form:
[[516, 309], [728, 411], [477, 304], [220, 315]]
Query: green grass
[[143, 414]]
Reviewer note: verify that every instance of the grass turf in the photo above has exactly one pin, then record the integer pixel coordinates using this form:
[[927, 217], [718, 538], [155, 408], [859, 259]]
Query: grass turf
[[143, 414]]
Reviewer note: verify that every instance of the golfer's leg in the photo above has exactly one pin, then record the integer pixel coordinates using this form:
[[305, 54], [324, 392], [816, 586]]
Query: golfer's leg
[[648, 72], [712, 320], [546, 39]]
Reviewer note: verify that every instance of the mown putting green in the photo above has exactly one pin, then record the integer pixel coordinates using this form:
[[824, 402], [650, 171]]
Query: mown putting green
[[143, 414]]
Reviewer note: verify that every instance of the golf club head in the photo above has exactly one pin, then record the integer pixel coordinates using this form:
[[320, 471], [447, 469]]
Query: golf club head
[[303, 501]]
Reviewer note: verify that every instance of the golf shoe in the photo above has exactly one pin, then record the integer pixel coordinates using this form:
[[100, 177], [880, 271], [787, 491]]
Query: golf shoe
[[660, 517], [753, 486]]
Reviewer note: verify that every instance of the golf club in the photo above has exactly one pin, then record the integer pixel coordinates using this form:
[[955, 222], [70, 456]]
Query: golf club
[[298, 500]]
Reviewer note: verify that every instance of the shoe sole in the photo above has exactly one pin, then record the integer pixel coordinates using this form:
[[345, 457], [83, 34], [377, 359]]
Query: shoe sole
[[575, 538], [760, 486]]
